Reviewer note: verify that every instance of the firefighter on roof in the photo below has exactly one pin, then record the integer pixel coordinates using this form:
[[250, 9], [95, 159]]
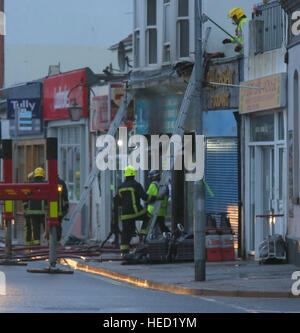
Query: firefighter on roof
[[238, 17]]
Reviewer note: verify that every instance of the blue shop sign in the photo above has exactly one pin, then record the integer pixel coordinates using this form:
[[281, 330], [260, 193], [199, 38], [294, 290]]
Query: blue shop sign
[[29, 116]]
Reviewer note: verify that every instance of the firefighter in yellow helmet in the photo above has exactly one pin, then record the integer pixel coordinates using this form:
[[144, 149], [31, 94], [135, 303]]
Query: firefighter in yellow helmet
[[130, 194], [35, 212], [238, 17]]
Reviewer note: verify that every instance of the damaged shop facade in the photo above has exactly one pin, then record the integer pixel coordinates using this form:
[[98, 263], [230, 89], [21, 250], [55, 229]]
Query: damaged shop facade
[[158, 98]]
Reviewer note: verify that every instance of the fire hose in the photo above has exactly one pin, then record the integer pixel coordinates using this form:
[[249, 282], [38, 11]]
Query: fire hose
[[35, 253]]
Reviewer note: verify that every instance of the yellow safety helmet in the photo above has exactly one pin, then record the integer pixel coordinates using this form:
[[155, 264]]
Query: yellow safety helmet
[[39, 172], [238, 12], [129, 171], [30, 175]]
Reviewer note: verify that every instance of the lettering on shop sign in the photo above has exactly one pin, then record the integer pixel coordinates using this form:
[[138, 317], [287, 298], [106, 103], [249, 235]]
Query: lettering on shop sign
[[268, 95], [220, 100], [225, 76]]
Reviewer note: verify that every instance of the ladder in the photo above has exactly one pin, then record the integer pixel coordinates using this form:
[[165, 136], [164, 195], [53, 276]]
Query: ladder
[[128, 96], [178, 130]]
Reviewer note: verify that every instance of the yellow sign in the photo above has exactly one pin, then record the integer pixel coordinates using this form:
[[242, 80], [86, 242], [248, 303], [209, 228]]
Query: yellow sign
[[53, 209], [8, 206], [271, 94]]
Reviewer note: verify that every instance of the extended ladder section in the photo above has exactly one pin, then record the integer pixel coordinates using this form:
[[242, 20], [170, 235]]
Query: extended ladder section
[[120, 116], [178, 130]]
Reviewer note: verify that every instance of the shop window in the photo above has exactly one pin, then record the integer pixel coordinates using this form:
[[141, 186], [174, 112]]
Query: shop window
[[262, 128], [69, 148], [183, 27], [280, 126], [31, 154]]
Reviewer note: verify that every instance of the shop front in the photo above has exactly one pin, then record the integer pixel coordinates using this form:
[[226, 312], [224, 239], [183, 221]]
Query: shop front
[[222, 159], [60, 92], [105, 103], [25, 115], [266, 167], [157, 109]]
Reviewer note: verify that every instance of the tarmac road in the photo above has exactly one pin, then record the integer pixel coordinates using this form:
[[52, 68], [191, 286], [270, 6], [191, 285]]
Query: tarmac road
[[88, 293]]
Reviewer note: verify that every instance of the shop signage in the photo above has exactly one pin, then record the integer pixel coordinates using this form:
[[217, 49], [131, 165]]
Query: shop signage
[[28, 113], [56, 91], [269, 93], [220, 96], [103, 111]]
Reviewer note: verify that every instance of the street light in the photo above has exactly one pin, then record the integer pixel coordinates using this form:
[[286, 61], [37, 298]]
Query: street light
[[75, 110]]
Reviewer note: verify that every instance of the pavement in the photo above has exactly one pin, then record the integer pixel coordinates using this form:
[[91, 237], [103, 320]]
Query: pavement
[[239, 278], [230, 279]]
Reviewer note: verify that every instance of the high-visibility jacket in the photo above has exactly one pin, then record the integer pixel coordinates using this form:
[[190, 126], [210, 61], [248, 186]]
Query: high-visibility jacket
[[35, 207], [130, 194], [239, 31], [63, 200], [153, 190]]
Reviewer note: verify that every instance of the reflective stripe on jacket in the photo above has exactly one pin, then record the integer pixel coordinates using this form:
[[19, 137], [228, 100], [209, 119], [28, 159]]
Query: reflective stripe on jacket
[[239, 31], [130, 194], [153, 190]]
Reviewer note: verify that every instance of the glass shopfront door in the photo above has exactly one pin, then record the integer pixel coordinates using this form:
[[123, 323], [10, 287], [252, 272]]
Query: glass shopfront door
[[267, 183]]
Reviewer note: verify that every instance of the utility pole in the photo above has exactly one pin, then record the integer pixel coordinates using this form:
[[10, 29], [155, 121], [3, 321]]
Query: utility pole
[[199, 194]]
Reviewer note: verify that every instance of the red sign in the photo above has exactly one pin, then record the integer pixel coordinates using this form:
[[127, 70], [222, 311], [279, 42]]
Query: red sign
[[99, 113], [56, 89], [100, 108]]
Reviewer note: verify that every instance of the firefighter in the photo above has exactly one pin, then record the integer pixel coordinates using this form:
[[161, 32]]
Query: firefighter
[[36, 210], [63, 205], [154, 176], [28, 238], [130, 193], [238, 18]]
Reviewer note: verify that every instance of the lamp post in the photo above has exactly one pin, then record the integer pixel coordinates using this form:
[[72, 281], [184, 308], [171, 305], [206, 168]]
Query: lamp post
[[199, 200]]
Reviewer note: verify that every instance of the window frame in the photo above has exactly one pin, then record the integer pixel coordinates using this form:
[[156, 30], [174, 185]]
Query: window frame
[[148, 29], [179, 21]]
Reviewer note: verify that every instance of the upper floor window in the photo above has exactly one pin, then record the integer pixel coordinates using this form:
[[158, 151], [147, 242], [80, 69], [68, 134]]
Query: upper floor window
[[151, 32], [167, 31], [183, 28], [269, 27], [136, 35]]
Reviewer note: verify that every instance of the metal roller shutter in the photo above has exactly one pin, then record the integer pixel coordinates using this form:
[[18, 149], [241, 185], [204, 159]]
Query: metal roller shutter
[[221, 173]]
